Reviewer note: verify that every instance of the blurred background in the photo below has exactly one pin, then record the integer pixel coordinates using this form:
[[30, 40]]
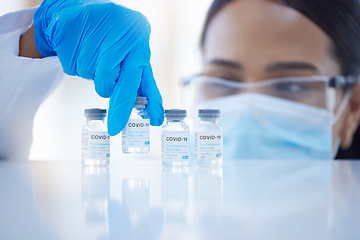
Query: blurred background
[[176, 27]]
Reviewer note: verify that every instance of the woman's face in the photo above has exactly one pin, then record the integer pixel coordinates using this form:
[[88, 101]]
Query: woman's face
[[253, 40]]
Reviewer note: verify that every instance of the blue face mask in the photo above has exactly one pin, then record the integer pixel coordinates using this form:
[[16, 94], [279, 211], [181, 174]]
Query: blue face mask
[[256, 126]]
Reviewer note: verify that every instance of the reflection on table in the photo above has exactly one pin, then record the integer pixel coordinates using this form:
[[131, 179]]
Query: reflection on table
[[142, 200]]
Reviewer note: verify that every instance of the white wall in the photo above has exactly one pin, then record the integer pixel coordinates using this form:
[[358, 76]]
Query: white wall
[[11, 5], [176, 26]]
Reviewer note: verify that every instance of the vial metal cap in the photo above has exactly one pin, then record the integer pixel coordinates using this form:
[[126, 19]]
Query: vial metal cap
[[141, 101], [209, 113], [175, 114], [95, 113]]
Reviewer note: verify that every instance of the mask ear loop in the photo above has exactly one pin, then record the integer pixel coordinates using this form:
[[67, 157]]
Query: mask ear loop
[[342, 105], [331, 100], [338, 114]]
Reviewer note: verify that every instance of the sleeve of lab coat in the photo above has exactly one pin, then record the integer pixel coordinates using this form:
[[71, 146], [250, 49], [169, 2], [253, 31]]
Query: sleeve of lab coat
[[24, 84]]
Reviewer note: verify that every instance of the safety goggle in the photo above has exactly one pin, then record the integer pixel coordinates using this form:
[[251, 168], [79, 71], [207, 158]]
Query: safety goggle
[[326, 92]]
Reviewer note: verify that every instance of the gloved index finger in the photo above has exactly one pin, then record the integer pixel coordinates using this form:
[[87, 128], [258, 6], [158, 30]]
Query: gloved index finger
[[124, 95], [149, 89]]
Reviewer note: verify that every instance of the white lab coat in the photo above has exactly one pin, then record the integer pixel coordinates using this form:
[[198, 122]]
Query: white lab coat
[[24, 84]]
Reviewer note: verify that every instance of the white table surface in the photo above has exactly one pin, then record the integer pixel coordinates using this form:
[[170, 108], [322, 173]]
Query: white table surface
[[139, 199]]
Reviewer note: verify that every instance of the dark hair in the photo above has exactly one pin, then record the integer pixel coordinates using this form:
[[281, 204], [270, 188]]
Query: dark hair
[[339, 19]]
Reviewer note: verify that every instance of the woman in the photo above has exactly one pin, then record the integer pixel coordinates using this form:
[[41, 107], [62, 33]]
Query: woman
[[284, 73]]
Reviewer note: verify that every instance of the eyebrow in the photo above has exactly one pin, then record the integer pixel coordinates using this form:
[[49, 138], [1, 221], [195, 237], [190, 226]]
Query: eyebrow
[[276, 67], [226, 63], [290, 66]]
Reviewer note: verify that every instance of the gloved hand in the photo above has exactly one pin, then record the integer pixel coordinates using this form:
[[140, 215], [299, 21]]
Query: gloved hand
[[99, 40]]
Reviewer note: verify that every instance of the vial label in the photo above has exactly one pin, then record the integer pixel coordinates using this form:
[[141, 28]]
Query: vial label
[[95, 145], [175, 146], [136, 133], [208, 145]]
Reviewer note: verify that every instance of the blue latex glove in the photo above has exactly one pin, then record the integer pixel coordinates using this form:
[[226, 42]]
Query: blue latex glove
[[99, 40]]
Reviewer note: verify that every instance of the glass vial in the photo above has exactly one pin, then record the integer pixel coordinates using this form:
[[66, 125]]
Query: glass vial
[[209, 139], [136, 134], [95, 140], [175, 139]]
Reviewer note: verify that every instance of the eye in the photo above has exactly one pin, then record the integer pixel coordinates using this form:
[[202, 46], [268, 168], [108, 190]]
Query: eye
[[223, 90], [219, 72], [226, 77], [292, 87]]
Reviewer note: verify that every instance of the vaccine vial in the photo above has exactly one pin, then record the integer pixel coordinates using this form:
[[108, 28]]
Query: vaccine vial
[[175, 139], [209, 139], [95, 140], [136, 134]]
